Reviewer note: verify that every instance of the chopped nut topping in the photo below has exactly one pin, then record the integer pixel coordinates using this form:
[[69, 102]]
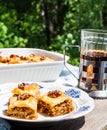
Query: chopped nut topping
[[21, 86], [42, 58], [54, 94], [32, 55], [17, 59], [23, 97], [23, 58], [13, 55]]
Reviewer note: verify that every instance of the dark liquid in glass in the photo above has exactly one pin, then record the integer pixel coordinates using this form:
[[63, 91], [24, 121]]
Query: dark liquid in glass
[[93, 70]]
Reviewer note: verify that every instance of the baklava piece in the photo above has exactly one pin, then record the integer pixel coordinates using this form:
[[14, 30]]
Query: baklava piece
[[22, 107], [28, 89], [55, 103]]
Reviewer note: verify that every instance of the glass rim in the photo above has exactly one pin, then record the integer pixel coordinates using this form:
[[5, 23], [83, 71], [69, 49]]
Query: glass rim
[[97, 31]]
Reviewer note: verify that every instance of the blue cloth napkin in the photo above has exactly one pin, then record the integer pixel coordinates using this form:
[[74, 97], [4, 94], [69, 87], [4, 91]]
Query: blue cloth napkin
[[4, 125]]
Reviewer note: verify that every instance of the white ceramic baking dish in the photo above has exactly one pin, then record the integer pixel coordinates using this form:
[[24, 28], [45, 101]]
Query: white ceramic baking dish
[[31, 72]]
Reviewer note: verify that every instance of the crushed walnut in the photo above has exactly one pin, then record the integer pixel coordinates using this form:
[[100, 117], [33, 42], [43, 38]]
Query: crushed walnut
[[13, 55], [23, 57], [54, 93], [23, 97], [21, 86], [42, 58]]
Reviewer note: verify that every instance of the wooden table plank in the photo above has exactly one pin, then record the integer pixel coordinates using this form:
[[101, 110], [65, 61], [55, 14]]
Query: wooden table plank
[[96, 119]]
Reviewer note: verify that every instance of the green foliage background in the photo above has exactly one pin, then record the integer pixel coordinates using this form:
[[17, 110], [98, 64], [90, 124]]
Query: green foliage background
[[49, 24]]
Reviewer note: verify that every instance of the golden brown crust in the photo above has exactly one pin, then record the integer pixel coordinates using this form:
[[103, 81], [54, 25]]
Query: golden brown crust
[[23, 102], [19, 108], [59, 105], [30, 89], [16, 59]]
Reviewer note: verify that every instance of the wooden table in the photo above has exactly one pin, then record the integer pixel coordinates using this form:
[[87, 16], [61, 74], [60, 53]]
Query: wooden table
[[95, 120]]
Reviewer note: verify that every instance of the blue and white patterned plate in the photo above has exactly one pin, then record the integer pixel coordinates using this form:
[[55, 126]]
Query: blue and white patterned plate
[[82, 102]]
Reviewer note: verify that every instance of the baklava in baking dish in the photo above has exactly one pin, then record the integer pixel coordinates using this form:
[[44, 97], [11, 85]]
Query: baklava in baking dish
[[17, 59], [55, 103], [30, 65]]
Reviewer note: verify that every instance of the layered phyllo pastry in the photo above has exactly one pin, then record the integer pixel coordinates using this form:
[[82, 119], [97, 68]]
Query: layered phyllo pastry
[[55, 103], [16, 59], [27, 89], [22, 106]]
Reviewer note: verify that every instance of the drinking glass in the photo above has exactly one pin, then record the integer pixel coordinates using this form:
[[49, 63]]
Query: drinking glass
[[93, 62]]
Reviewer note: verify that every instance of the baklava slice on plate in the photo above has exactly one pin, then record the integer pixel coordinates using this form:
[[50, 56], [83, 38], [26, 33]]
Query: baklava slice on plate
[[22, 107], [55, 103]]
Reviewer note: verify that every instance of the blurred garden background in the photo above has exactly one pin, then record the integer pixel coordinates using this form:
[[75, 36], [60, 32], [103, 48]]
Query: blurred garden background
[[49, 24]]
